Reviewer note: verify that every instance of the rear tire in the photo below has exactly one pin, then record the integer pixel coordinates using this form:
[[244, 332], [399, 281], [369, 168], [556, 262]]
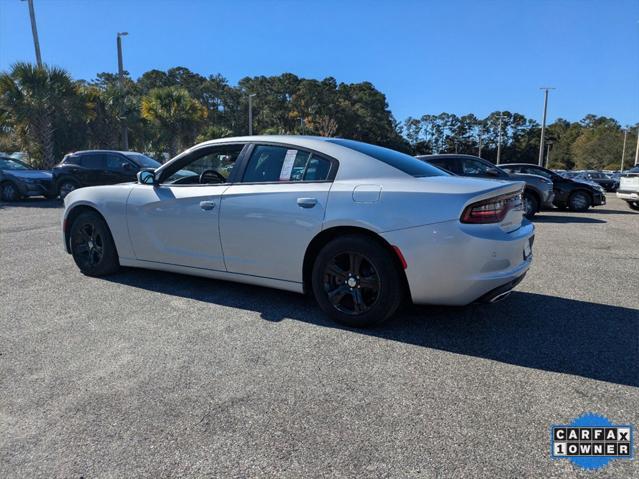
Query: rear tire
[[579, 201], [92, 245], [356, 281], [531, 205], [634, 205], [9, 192]]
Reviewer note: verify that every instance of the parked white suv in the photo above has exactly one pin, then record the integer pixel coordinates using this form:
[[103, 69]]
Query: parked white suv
[[629, 187]]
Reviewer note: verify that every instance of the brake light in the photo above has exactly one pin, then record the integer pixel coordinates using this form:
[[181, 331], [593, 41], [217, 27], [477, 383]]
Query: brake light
[[492, 210]]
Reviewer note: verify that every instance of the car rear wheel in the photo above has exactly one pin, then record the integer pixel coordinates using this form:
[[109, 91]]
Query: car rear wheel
[[356, 282], [9, 192], [579, 201], [531, 205], [92, 245], [65, 187], [634, 205]]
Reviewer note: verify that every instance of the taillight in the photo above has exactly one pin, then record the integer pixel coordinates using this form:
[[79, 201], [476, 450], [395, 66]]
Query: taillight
[[492, 210]]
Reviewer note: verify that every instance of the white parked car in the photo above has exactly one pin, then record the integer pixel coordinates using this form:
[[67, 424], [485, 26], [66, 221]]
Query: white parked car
[[360, 226], [629, 187]]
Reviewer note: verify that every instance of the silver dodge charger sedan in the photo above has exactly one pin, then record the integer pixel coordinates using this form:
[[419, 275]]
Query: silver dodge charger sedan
[[360, 226]]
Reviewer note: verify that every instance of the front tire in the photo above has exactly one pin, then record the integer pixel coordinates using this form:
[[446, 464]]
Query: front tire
[[579, 201], [634, 205], [356, 281], [531, 205], [65, 187], [9, 192], [92, 245]]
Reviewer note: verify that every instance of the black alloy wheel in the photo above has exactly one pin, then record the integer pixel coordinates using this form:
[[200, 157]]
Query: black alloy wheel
[[351, 283], [92, 246], [357, 281]]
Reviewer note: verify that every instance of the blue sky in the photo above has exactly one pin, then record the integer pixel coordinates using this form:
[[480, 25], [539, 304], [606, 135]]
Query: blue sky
[[426, 56]]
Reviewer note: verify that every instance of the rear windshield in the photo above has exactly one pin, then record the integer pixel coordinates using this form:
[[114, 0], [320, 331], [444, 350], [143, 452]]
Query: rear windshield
[[401, 161]]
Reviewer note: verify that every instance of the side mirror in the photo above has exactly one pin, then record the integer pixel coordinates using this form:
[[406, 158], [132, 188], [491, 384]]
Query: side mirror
[[127, 166], [493, 172], [147, 177]]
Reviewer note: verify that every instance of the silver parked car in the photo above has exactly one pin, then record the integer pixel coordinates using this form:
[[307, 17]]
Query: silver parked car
[[360, 226]]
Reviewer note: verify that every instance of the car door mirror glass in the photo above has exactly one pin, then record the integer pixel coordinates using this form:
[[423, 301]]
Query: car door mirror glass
[[146, 177], [126, 166], [493, 172]]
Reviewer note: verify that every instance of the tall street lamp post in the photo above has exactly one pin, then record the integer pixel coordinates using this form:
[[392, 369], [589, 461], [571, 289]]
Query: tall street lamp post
[[543, 126], [125, 131], [250, 97], [499, 139], [623, 151], [34, 31]]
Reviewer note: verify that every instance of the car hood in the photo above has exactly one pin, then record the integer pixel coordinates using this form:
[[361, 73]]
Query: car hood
[[32, 174]]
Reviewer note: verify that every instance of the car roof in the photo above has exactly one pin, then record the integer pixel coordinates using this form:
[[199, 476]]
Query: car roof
[[82, 152]]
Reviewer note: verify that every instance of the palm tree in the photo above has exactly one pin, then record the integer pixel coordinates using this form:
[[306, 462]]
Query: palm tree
[[175, 113], [32, 98]]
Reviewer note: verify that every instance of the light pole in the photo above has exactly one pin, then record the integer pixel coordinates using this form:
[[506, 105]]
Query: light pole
[[623, 151], [125, 131], [499, 138], [34, 31], [543, 126], [548, 148], [251, 95], [637, 150]]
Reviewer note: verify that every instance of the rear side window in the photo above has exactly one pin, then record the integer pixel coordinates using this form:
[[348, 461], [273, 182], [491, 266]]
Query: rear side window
[[403, 162], [93, 161], [276, 163], [71, 160]]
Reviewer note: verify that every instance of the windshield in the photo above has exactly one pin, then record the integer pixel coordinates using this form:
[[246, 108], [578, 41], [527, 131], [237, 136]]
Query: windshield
[[143, 160], [9, 164], [401, 161]]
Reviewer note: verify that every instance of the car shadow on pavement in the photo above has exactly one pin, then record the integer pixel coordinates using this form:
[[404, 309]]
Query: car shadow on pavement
[[543, 218], [549, 333], [32, 203]]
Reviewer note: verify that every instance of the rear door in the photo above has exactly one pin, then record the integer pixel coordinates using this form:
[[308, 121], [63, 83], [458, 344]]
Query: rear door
[[119, 169], [269, 218], [91, 169]]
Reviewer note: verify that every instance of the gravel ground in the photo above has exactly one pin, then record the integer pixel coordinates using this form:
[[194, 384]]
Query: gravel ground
[[149, 374]]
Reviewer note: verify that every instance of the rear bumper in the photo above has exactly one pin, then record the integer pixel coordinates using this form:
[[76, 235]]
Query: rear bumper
[[454, 264], [628, 195]]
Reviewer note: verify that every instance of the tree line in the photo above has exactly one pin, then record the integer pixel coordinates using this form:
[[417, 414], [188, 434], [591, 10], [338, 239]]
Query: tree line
[[46, 113]]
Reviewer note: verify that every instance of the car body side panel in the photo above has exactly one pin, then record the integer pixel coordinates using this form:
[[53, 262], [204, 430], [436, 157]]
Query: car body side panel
[[409, 202], [265, 232]]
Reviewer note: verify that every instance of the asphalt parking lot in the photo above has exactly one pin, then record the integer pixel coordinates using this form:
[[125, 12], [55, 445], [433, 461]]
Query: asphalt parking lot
[[162, 375]]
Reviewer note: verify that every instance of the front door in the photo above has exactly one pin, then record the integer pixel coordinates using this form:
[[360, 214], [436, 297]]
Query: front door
[[269, 218], [177, 221]]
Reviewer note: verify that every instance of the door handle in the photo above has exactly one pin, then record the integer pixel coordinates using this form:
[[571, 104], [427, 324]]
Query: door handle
[[207, 205], [306, 202]]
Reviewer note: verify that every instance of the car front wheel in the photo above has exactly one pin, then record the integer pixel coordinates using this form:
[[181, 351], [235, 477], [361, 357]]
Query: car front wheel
[[92, 245], [65, 187], [9, 192], [531, 205], [356, 281], [634, 205], [579, 201]]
